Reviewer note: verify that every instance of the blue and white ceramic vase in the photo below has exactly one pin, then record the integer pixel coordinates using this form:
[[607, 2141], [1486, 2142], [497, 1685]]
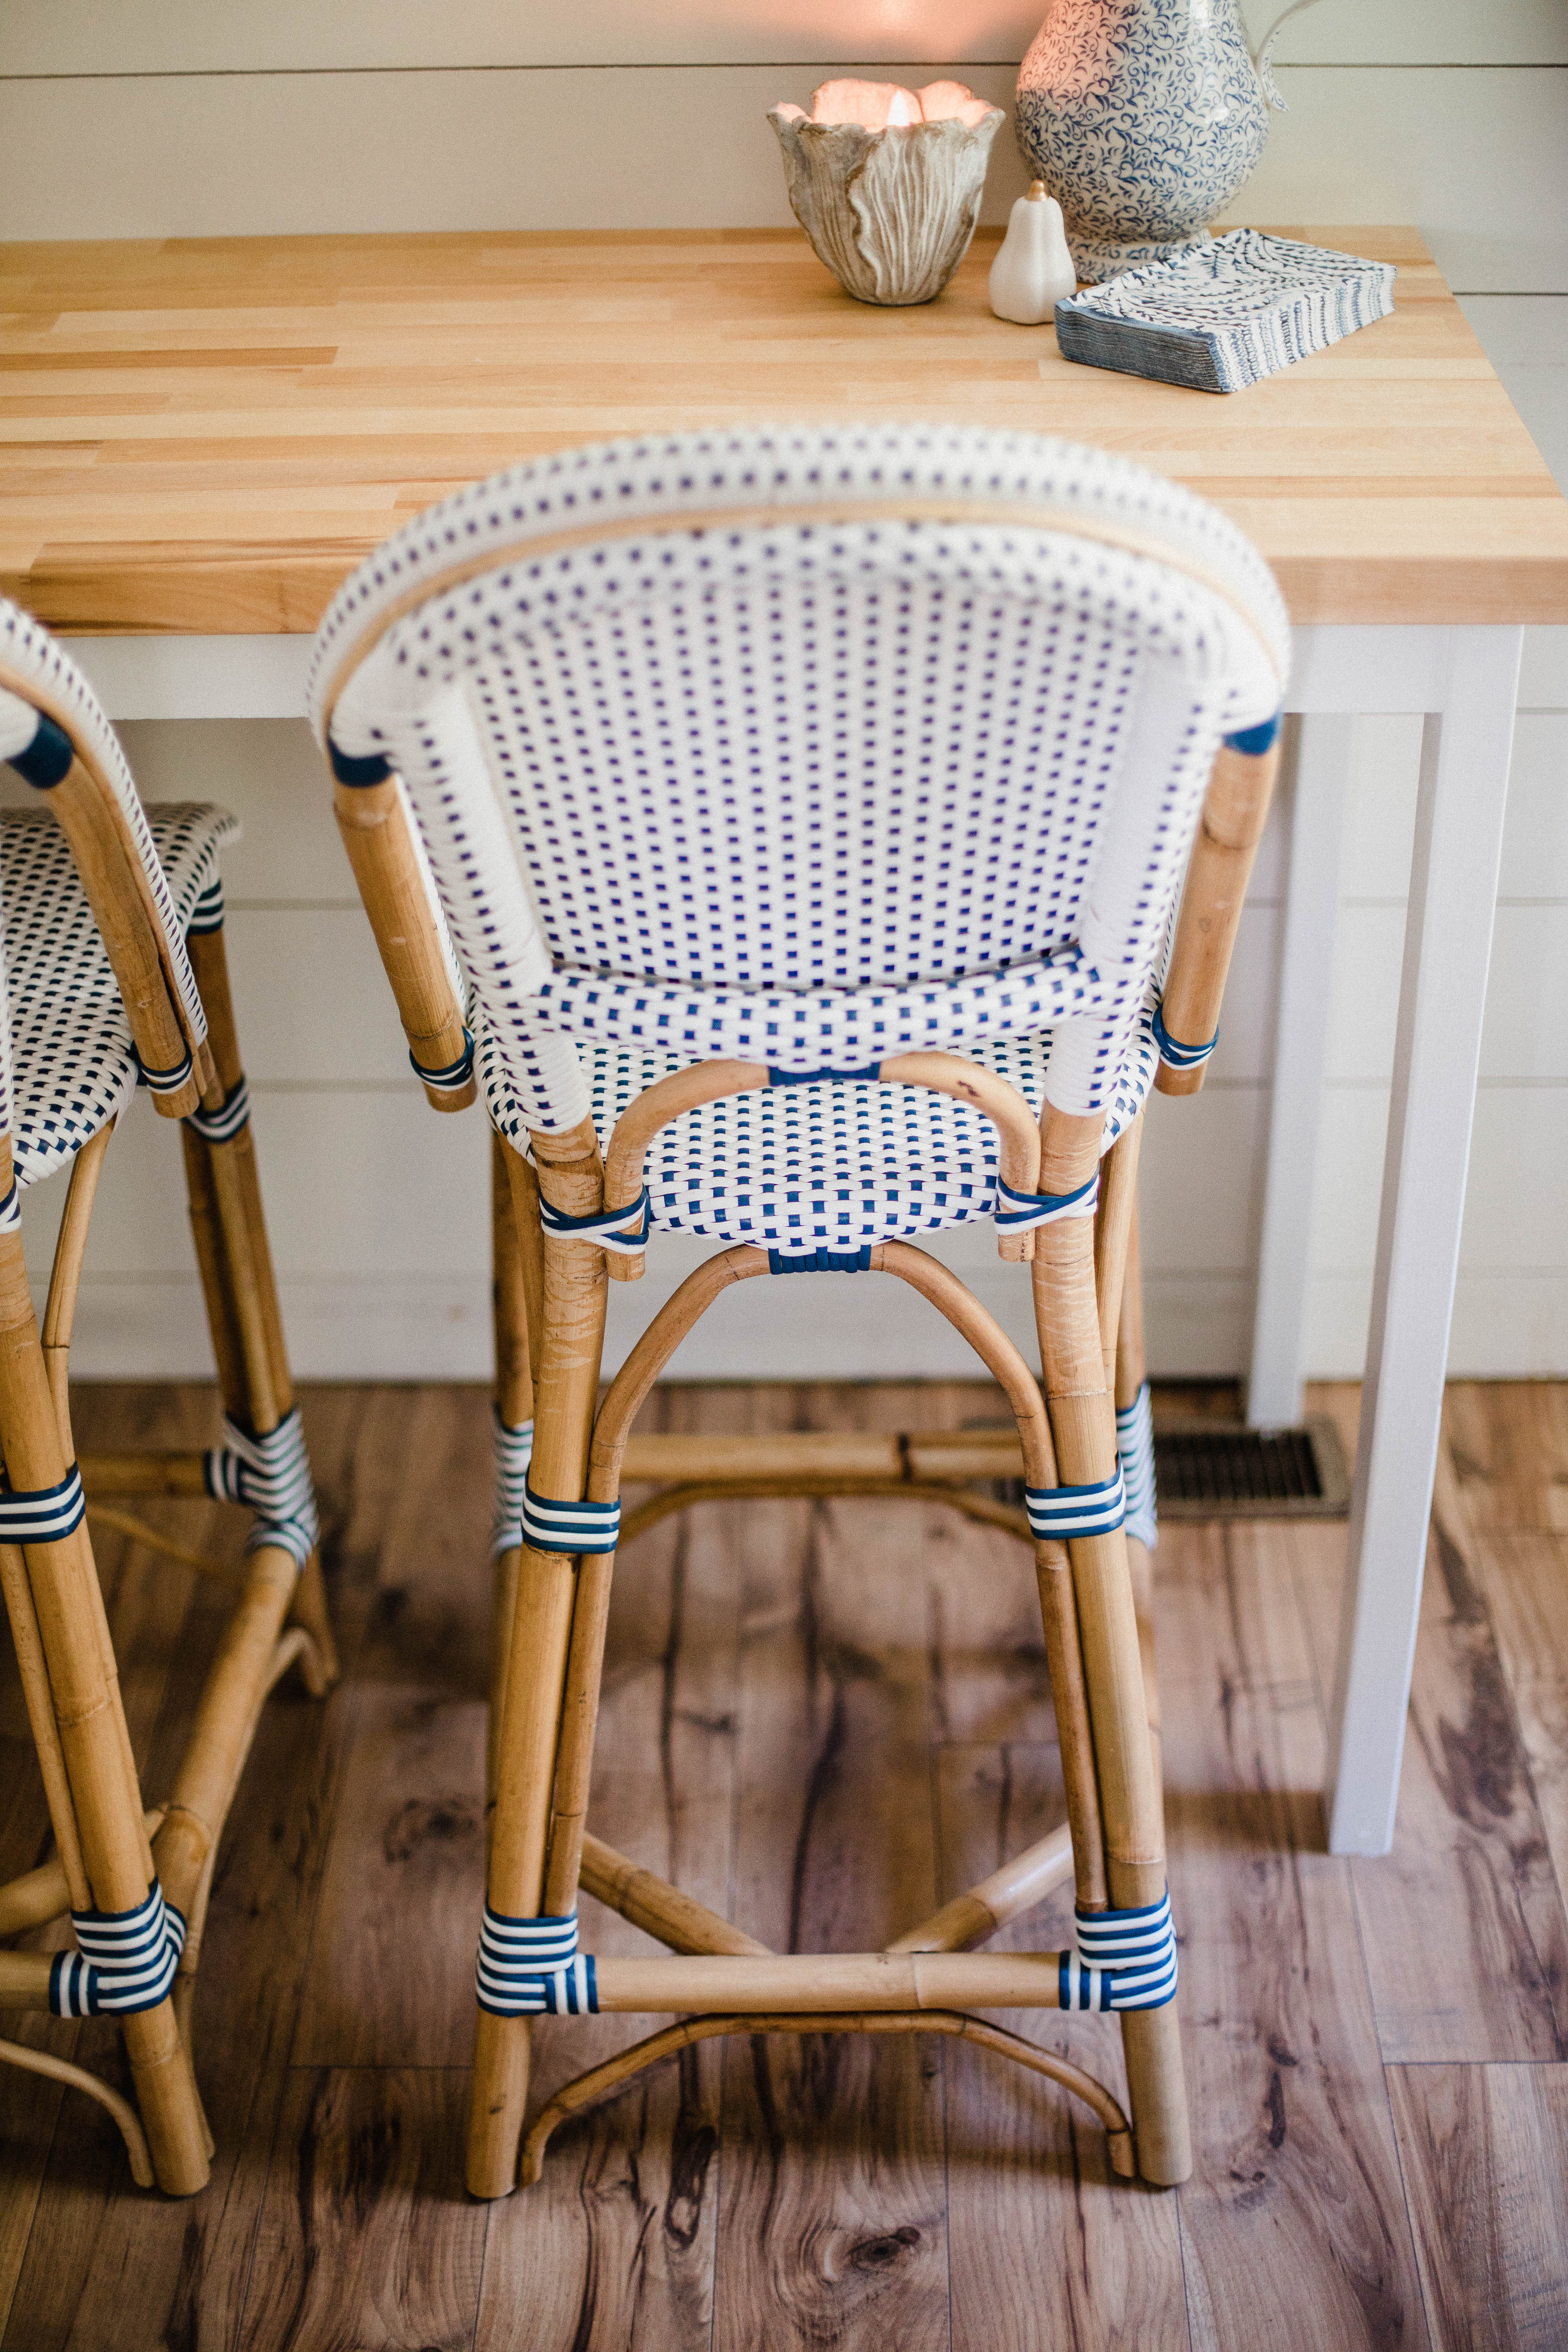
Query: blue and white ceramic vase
[[1143, 118]]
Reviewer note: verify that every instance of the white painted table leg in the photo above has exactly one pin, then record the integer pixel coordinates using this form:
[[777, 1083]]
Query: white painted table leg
[[1323, 762], [1442, 997]]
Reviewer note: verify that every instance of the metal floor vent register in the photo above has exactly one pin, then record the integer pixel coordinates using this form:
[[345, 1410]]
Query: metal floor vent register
[[1219, 1470], [1209, 1469]]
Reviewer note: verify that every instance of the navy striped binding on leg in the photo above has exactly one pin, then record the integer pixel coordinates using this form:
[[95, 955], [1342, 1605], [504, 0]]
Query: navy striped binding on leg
[[206, 915], [164, 1082], [531, 1967], [11, 1211], [1174, 1055], [272, 1475], [570, 1527], [221, 1126], [452, 1075], [623, 1231], [1057, 1514], [1125, 1959], [125, 1962], [47, 1515], [1135, 1444], [1021, 1212], [514, 1451]]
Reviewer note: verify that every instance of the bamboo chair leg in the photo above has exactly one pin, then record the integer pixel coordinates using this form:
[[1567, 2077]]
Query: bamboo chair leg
[[514, 1404], [220, 1738], [34, 1677], [241, 1291], [1082, 1411], [235, 1265], [1131, 1370], [566, 1379], [65, 1275], [84, 1701]]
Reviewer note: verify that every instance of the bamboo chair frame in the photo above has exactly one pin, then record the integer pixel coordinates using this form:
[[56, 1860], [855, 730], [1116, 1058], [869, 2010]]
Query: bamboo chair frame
[[550, 1608], [107, 1848]]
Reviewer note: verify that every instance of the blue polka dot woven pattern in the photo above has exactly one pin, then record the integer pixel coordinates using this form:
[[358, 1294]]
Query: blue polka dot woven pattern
[[73, 1065], [827, 1165], [807, 788], [39, 666]]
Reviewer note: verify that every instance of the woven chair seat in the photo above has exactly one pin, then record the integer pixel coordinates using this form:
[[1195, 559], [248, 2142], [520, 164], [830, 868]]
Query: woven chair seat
[[831, 1165], [73, 1064]]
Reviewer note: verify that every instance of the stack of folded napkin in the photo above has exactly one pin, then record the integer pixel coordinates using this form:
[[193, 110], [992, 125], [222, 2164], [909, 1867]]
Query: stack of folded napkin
[[1226, 314]]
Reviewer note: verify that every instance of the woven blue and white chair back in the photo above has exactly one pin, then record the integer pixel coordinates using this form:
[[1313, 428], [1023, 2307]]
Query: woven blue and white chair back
[[804, 746], [53, 729]]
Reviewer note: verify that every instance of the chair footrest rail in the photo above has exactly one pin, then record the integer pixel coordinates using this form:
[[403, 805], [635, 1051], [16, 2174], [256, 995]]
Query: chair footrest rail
[[790, 1981]]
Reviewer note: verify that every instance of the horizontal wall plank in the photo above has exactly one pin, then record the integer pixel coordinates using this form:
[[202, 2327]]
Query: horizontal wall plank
[[406, 1327], [123, 36], [1525, 1037], [1505, 1326], [370, 1184], [1513, 1209], [206, 155]]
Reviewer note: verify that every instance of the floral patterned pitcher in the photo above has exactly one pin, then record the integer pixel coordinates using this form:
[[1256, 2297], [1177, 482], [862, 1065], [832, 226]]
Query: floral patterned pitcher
[[1143, 118]]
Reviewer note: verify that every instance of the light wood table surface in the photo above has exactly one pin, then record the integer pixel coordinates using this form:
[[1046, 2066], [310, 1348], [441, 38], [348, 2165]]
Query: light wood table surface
[[204, 436], [200, 439]]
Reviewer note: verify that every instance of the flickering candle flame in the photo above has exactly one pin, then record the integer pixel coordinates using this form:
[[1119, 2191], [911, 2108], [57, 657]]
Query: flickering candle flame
[[888, 106]]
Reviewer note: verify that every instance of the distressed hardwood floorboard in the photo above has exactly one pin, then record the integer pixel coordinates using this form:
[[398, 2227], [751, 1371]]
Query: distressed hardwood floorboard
[[366, 2239], [1045, 2249], [1509, 1449], [1525, 1579], [106, 2266], [1462, 1924], [1294, 2228], [616, 2245], [833, 2208], [1485, 2150], [822, 1719]]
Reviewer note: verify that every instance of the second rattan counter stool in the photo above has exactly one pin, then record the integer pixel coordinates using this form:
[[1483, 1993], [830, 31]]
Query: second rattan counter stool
[[807, 812], [114, 975]]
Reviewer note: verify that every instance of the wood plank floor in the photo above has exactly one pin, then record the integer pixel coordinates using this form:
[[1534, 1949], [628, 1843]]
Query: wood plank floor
[[823, 1720]]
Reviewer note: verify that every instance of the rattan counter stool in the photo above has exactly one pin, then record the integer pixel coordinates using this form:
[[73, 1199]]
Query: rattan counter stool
[[114, 975], [806, 813]]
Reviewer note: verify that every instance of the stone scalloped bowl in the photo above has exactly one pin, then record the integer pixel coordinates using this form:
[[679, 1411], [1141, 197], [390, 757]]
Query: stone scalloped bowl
[[889, 206]]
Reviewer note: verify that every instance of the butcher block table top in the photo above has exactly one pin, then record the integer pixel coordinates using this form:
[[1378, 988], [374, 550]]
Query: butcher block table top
[[205, 436]]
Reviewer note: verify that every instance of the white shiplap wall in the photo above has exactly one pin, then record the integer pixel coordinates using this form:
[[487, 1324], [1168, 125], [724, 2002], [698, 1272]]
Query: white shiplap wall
[[389, 114]]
